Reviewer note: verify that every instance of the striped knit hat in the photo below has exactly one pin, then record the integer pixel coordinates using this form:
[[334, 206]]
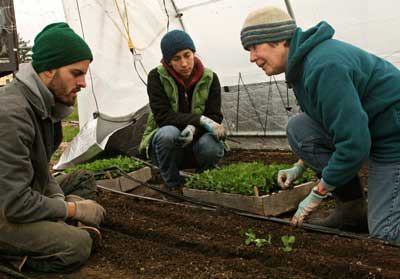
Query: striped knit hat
[[267, 25]]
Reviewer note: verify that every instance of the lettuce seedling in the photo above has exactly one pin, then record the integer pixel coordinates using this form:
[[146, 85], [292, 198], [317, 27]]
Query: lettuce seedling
[[242, 178], [288, 242], [259, 242], [127, 164]]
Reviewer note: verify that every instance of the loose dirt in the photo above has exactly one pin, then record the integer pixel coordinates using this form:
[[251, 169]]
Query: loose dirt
[[145, 239]]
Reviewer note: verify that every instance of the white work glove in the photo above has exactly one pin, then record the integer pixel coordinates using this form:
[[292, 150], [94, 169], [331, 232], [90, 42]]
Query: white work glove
[[307, 206], [288, 176], [213, 127], [186, 136], [89, 212]]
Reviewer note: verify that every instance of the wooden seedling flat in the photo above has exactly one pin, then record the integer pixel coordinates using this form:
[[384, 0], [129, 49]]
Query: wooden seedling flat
[[124, 184], [266, 205]]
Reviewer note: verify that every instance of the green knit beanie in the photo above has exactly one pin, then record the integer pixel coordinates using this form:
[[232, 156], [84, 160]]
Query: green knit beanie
[[268, 24], [58, 45]]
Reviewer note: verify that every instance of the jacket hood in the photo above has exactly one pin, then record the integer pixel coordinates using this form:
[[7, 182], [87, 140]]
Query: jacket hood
[[46, 105], [302, 43]]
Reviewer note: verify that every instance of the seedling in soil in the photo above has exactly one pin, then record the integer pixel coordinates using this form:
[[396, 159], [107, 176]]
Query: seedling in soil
[[259, 242], [242, 178], [127, 164], [288, 242]]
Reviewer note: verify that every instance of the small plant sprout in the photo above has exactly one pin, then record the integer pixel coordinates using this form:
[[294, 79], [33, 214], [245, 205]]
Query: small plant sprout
[[259, 242], [250, 237], [125, 163], [288, 241], [242, 178]]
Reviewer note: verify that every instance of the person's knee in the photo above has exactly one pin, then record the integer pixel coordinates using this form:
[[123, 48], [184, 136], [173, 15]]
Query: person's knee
[[295, 124], [78, 249], [209, 149], [69, 254], [166, 135], [214, 152], [83, 247]]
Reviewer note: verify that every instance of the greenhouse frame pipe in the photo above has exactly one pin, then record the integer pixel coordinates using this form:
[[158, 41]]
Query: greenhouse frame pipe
[[178, 15], [289, 8]]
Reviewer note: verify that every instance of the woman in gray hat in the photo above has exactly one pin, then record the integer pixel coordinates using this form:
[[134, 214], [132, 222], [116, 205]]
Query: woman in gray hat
[[351, 113]]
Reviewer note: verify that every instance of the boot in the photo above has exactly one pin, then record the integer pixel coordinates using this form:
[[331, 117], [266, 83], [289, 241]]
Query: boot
[[350, 213]]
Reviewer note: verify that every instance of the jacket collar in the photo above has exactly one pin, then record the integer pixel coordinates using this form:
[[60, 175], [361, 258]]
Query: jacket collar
[[40, 96], [198, 70]]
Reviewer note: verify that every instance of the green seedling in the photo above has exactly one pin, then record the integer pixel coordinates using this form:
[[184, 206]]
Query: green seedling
[[242, 178], [127, 164], [259, 242], [288, 242]]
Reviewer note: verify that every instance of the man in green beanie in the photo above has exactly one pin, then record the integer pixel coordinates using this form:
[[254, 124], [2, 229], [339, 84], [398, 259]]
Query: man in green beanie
[[351, 114], [33, 205]]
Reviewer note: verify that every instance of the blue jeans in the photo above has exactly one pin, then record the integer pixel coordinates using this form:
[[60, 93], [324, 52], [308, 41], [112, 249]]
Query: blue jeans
[[310, 142], [170, 157]]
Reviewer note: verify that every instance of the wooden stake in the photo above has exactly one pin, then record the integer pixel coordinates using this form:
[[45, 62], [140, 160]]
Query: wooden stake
[[256, 191]]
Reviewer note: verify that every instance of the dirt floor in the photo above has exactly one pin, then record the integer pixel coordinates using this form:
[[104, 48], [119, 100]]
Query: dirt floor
[[146, 239]]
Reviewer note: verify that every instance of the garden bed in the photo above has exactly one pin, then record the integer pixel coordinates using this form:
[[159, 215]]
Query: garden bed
[[144, 239], [151, 240]]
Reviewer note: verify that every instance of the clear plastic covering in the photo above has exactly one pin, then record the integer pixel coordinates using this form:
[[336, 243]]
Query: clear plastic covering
[[117, 77]]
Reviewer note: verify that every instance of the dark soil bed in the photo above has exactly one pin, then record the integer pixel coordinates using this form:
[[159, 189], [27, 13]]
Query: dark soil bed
[[145, 239]]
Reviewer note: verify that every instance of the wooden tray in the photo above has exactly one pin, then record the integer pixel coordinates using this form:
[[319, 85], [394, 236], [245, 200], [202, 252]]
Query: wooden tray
[[267, 205], [124, 184]]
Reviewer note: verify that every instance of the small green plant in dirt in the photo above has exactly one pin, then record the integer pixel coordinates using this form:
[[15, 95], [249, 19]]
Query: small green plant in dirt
[[288, 241], [258, 242], [127, 164], [242, 178]]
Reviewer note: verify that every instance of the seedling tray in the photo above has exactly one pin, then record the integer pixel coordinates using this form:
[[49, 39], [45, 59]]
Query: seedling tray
[[124, 184], [267, 205]]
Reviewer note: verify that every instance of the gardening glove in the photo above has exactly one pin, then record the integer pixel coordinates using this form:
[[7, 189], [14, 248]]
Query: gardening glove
[[58, 196], [73, 198], [307, 206], [288, 176], [213, 127], [89, 212], [186, 136]]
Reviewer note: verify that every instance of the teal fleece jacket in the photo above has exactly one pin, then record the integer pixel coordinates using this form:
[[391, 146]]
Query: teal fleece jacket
[[352, 94]]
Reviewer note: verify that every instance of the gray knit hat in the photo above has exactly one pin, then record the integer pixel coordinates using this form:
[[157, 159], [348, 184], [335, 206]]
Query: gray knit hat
[[267, 25]]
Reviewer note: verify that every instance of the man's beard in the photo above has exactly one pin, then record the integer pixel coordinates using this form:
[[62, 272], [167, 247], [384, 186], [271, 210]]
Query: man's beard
[[60, 90]]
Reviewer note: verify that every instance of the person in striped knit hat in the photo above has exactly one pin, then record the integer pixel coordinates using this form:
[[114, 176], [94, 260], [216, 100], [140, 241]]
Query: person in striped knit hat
[[350, 102]]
